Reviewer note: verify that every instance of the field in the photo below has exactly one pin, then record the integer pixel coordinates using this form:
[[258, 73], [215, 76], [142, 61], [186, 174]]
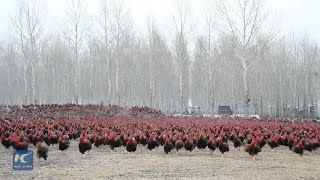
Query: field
[[102, 163], [105, 126]]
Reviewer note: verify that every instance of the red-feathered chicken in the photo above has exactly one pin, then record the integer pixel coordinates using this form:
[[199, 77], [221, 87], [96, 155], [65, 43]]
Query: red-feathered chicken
[[236, 142], [115, 141], [211, 145], [131, 145], [202, 142], [143, 140], [262, 141], [223, 146], [46, 139], [84, 144], [189, 145], [53, 139], [125, 139], [291, 141], [104, 139], [298, 147], [98, 141], [168, 145], [253, 148], [36, 138], [136, 136], [17, 142], [91, 138], [64, 142], [308, 145], [283, 140], [5, 140], [152, 143], [272, 142], [179, 144]]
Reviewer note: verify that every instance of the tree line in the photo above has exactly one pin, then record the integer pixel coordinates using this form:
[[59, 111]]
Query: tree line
[[239, 59]]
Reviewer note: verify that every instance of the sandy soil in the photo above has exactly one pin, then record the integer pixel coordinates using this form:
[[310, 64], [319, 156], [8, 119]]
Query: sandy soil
[[102, 163]]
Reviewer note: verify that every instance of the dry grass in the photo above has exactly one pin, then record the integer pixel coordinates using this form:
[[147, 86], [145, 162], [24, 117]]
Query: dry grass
[[102, 163]]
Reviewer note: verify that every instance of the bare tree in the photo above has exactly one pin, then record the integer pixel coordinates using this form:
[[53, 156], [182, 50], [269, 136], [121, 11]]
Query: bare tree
[[28, 33], [152, 40], [75, 32], [10, 57], [120, 28], [181, 50], [245, 20], [309, 51], [106, 45], [210, 50]]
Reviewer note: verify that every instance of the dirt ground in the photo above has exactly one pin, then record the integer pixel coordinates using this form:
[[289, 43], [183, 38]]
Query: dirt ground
[[102, 163]]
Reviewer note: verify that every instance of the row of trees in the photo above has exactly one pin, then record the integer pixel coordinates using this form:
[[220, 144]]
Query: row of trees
[[238, 60]]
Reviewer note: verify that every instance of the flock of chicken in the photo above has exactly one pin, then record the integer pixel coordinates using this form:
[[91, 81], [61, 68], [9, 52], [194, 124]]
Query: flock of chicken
[[167, 132]]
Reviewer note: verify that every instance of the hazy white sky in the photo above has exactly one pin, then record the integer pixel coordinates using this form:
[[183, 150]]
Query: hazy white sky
[[294, 15]]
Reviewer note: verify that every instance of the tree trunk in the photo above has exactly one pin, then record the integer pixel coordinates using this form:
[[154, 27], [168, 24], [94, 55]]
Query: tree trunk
[[9, 100], [77, 84], [246, 92], [117, 78], [33, 84], [109, 88], [150, 83], [181, 93]]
